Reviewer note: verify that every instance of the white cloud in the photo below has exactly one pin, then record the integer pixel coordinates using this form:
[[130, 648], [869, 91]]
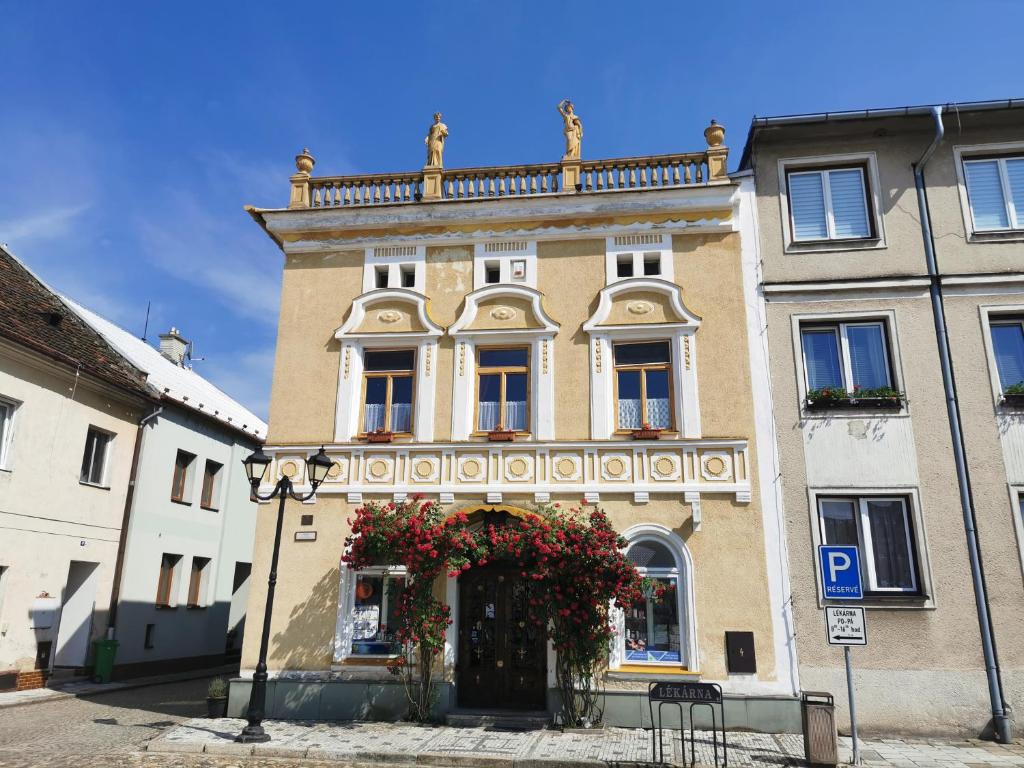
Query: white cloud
[[226, 257], [40, 225]]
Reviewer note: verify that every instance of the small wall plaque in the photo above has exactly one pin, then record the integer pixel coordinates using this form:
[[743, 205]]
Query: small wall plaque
[[305, 535], [739, 653], [307, 520]]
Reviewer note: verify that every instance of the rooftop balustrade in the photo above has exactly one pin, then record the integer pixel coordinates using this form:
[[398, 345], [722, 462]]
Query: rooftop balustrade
[[569, 176]]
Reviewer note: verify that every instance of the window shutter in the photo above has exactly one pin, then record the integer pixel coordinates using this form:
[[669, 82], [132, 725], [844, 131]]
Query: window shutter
[[985, 193], [849, 205], [821, 356], [807, 204], [1015, 178]]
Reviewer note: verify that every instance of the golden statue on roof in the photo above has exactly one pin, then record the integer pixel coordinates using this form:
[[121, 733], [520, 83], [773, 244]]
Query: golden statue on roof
[[435, 142], [573, 130]]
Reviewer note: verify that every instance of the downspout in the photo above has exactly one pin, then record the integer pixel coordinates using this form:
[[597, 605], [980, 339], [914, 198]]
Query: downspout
[[1000, 720], [122, 543]]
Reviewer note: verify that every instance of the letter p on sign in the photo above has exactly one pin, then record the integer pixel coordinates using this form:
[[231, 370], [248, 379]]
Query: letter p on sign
[[840, 573]]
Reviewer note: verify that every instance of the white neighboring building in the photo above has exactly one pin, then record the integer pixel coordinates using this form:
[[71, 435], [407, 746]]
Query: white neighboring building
[[184, 581], [69, 413]]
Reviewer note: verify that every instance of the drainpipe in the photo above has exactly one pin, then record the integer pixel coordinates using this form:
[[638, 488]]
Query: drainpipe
[[122, 543], [1000, 720]]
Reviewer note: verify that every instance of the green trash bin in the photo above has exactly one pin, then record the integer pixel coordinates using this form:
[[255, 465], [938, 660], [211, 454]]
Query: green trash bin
[[104, 652]]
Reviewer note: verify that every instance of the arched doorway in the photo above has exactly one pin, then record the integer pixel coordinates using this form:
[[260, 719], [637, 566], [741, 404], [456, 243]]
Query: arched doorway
[[502, 655]]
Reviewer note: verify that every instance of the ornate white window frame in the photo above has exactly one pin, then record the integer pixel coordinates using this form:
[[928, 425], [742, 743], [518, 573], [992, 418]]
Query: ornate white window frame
[[350, 366], [542, 360], [638, 245], [393, 258], [683, 340], [516, 261], [343, 628], [686, 607]]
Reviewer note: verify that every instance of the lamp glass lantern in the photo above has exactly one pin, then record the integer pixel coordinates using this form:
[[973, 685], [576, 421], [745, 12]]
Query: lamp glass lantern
[[256, 464], [317, 467]]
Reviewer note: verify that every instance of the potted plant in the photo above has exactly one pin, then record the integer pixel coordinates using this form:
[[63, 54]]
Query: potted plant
[[646, 432], [1013, 395], [501, 435], [379, 436], [838, 397], [217, 698]]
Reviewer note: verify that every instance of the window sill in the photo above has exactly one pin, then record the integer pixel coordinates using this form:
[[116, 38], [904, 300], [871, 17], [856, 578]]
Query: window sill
[[182, 502], [645, 672], [997, 236], [367, 660], [881, 404], [195, 607], [826, 246], [876, 601], [1012, 402], [209, 509], [165, 607], [97, 486]]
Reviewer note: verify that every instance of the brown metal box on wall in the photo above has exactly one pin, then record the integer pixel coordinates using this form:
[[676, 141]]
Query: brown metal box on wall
[[739, 653]]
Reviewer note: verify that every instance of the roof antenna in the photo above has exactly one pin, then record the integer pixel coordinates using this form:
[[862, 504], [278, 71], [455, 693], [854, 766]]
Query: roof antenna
[[145, 329]]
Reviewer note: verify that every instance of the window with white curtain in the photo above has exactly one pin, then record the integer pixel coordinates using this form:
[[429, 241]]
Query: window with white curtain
[[503, 401], [643, 385], [1008, 348], [995, 192], [852, 356], [880, 527], [388, 390], [829, 204]]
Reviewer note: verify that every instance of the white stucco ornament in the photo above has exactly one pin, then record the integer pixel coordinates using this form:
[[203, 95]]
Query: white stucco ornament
[[640, 307], [503, 313], [389, 316]]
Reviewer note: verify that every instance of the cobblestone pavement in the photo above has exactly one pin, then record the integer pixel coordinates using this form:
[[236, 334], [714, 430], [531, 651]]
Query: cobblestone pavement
[[385, 743], [151, 728], [97, 731]]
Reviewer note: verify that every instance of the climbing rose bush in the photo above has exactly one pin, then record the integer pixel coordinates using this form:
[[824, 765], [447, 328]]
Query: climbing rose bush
[[574, 557]]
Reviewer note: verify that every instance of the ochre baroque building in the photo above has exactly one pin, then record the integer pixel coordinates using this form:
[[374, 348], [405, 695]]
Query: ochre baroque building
[[580, 332]]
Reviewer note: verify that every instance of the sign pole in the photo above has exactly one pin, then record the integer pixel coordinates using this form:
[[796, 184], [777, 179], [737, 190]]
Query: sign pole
[[853, 708]]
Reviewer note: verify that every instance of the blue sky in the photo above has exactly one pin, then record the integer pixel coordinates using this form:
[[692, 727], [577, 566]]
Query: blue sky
[[134, 132]]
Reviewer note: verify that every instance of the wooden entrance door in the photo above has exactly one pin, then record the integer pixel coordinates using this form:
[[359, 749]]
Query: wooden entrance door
[[502, 660]]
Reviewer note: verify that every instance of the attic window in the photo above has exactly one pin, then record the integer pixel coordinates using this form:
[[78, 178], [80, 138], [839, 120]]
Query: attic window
[[52, 318]]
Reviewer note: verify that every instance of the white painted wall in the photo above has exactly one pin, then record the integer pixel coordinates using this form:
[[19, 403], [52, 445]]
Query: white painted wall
[[159, 525], [47, 517]]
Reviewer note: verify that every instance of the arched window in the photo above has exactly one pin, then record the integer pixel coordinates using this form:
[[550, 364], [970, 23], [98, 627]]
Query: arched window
[[656, 632]]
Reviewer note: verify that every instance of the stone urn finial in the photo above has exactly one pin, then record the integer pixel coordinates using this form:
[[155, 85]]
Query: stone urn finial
[[714, 134], [304, 162]]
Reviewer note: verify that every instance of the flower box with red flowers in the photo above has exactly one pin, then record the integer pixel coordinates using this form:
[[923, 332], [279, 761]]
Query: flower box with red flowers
[[646, 432], [380, 436], [501, 435], [832, 398]]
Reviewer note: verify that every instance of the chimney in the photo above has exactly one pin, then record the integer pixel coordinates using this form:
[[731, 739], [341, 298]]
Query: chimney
[[173, 346]]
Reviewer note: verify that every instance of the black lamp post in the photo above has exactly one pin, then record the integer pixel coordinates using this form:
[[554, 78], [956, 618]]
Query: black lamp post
[[317, 467]]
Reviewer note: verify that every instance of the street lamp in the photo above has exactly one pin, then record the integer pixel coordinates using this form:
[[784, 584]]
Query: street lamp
[[317, 467]]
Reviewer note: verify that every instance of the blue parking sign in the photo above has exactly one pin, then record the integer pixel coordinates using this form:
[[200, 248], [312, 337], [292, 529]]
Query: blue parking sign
[[840, 573]]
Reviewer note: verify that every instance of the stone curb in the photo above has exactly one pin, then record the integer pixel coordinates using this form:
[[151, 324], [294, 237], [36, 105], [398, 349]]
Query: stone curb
[[433, 759]]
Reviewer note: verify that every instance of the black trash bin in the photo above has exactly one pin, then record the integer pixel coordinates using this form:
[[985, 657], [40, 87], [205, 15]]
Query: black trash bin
[[818, 715]]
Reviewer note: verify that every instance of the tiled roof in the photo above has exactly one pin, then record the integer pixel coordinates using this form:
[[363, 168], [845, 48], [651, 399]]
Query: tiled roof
[[174, 382], [35, 317]]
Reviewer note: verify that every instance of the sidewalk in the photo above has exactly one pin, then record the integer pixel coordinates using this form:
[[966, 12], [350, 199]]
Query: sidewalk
[[87, 688], [404, 744]]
